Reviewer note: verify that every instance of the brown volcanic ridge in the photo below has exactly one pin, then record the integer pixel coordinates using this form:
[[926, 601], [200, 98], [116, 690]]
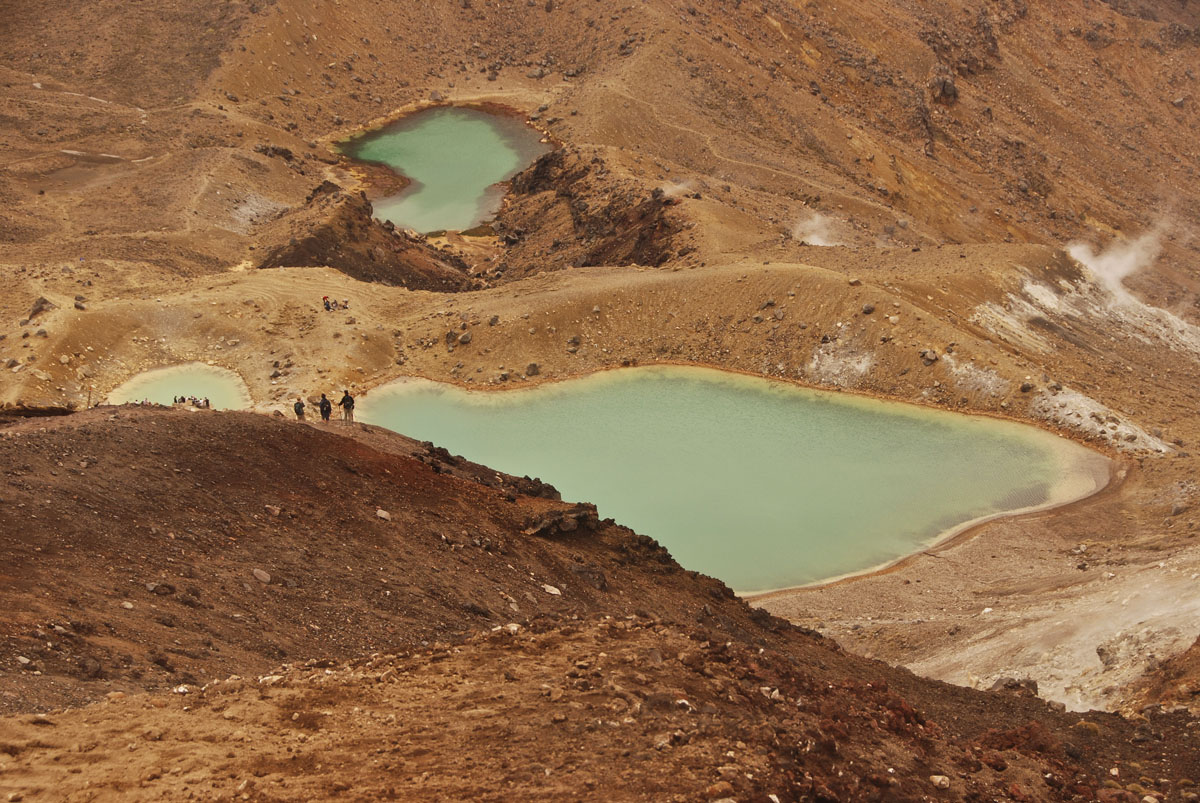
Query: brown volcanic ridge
[[329, 611], [988, 207]]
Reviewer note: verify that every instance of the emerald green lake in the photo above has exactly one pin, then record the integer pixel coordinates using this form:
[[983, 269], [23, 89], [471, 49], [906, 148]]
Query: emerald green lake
[[760, 483], [456, 160], [224, 389]]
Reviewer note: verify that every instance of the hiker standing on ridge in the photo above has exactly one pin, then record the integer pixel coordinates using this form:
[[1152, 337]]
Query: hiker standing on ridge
[[326, 407], [347, 405], [299, 408]]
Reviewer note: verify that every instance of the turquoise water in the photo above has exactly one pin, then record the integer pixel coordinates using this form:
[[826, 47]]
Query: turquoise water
[[456, 159], [762, 484], [224, 389]]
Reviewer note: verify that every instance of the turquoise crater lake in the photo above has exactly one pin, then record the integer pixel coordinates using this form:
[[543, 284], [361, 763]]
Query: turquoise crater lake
[[760, 483], [456, 160], [224, 389]]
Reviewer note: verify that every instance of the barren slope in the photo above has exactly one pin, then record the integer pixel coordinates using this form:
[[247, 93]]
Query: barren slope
[[635, 680]]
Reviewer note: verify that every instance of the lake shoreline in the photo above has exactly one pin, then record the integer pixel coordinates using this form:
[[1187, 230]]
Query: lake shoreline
[[1074, 471]]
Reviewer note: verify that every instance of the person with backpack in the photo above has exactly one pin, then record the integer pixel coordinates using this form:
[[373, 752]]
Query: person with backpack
[[347, 405], [326, 407], [299, 408]]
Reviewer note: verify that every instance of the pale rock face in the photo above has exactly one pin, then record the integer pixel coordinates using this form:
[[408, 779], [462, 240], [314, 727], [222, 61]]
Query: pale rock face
[[977, 379], [833, 365], [1073, 410]]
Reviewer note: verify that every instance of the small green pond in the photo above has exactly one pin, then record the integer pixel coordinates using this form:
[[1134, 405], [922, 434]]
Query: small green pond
[[760, 483], [224, 389], [456, 160]]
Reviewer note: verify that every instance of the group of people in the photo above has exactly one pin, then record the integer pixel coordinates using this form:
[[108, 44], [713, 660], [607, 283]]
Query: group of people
[[192, 400], [326, 407], [332, 303]]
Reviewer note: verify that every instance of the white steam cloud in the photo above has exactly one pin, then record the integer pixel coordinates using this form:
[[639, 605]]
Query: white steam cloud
[[817, 229], [673, 189], [1120, 259]]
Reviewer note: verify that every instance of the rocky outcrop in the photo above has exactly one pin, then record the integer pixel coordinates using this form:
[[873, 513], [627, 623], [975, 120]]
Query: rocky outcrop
[[336, 228], [558, 521], [567, 211]]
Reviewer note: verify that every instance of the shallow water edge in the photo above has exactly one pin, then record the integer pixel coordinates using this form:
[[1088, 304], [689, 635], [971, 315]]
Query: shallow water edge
[[1066, 471], [225, 388]]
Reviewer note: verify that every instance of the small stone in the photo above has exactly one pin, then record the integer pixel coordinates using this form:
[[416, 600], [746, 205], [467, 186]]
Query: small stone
[[549, 589], [532, 369], [940, 781], [41, 305], [867, 309], [64, 359], [464, 338], [383, 514], [596, 310], [1026, 387], [261, 576], [855, 282], [718, 790], [127, 606], [273, 510], [492, 321]]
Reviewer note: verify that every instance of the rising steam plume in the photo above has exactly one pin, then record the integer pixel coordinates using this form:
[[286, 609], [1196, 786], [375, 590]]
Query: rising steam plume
[[1120, 259], [817, 229]]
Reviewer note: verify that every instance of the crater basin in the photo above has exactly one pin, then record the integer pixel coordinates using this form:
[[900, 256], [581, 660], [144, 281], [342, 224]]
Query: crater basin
[[224, 389], [760, 483], [455, 159]]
